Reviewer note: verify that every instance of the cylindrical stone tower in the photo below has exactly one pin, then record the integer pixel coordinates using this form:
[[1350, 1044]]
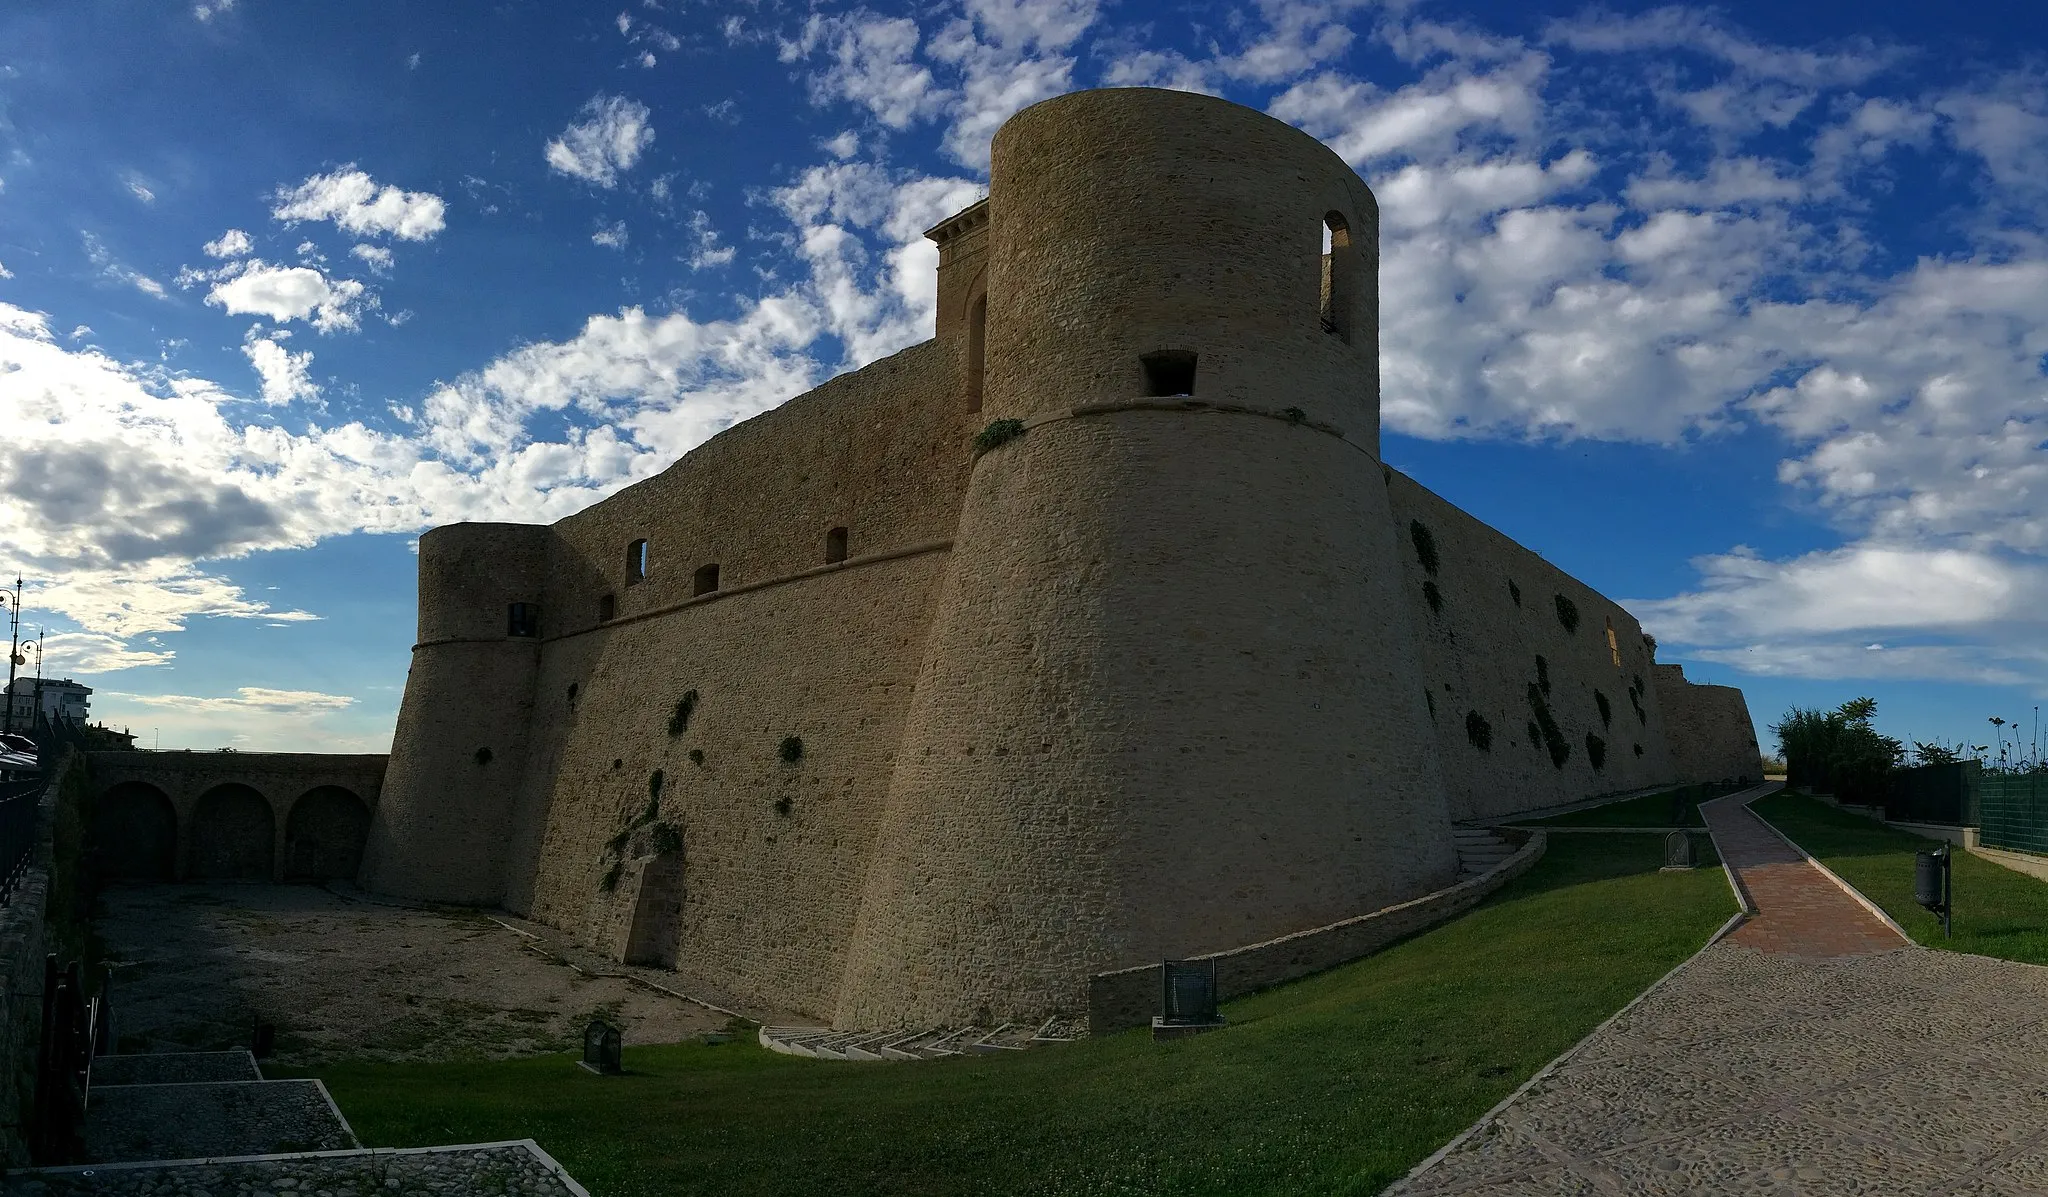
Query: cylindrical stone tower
[[450, 789], [1170, 702]]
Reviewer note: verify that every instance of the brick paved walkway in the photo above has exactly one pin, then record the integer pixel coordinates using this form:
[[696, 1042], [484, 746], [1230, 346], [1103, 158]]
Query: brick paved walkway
[[1811, 1052]]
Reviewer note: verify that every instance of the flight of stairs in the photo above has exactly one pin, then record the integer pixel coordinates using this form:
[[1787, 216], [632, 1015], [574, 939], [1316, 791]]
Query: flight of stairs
[[934, 1043], [1479, 850]]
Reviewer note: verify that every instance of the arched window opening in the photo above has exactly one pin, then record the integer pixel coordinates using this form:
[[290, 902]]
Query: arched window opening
[[977, 348], [1169, 373], [636, 561], [835, 546], [607, 606], [1336, 274], [1613, 645], [522, 619], [705, 580]]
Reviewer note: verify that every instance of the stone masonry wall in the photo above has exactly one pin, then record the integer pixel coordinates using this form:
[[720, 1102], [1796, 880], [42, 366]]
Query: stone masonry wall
[[1497, 613], [1712, 737]]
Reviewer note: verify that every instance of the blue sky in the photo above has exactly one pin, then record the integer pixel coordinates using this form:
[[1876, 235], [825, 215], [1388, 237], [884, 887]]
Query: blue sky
[[1738, 314]]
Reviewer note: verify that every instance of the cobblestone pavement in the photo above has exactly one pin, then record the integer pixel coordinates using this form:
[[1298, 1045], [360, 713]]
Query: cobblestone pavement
[[1811, 1052], [485, 1170]]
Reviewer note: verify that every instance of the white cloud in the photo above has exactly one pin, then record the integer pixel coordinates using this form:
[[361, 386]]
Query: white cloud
[[232, 244], [207, 10], [707, 252], [1698, 31], [286, 375], [137, 188], [292, 293], [873, 64], [96, 253], [376, 257], [611, 139], [611, 236], [5, 272], [412, 61], [252, 719], [355, 203]]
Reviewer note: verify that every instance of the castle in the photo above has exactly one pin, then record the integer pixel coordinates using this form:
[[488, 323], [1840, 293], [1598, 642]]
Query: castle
[[1090, 631]]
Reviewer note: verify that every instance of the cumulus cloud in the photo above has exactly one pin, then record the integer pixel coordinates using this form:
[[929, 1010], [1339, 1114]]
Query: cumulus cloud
[[291, 293], [376, 257], [611, 236], [286, 375], [232, 244], [356, 204], [251, 719], [610, 139]]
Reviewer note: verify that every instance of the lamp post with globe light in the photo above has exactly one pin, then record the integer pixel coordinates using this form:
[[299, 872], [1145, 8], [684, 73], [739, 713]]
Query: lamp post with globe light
[[14, 657]]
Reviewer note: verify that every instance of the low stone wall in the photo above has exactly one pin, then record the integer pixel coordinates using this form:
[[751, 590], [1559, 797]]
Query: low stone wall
[[1129, 997], [23, 943]]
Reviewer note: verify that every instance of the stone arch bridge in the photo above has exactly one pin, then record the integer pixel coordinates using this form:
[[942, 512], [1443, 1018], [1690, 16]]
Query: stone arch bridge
[[251, 816]]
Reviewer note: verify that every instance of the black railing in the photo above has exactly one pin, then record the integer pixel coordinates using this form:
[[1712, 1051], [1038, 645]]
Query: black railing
[[75, 1029], [18, 802]]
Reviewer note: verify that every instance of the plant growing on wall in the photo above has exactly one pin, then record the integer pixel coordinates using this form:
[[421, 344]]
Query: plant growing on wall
[[1567, 613], [1554, 742], [1425, 545], [679, 720], [654, 781], [1639, 750], [1433, 596], [1429, 698], [1635, 699], [1295, 415], [1596, 751], [997, 433], [664, 838], [1535, 735], [1650, 646], [783, 805], [696, 756], [1543, 673], [792, 750], [1478, 730], [1606, 709], [610, 880], [1514, 592], [483, 756]]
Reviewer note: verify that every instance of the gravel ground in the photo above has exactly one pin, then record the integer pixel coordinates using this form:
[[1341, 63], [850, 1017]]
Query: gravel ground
[[194, 965], [489, 1171], [219, 1118]]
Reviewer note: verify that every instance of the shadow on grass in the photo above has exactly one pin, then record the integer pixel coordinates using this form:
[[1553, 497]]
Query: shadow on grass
[[1338, 1083]]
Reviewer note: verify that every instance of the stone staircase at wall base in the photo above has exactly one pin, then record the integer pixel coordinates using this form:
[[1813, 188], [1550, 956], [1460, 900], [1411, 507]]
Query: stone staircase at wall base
[[932, 1043], [1480, 851]]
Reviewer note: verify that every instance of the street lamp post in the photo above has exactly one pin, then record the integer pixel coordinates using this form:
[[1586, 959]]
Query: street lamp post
[[13, 602]]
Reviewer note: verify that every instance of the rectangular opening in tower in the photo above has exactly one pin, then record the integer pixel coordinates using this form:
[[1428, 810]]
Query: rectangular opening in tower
[[705, 580], [835, 546], [522, 619], [607, 606], [636, 561], [1169, 373]]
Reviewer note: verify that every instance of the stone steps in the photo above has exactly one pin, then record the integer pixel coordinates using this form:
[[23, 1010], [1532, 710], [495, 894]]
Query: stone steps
[[1479, 850], [933, 1043]]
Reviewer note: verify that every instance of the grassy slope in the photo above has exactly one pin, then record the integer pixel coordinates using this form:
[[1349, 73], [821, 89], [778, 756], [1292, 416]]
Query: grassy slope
[[1335, 1084], [1998, 912], [1650, 810]]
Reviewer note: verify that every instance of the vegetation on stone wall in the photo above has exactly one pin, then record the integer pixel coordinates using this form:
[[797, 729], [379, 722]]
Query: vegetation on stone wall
[[696, 756], [1650, 645], [664, 838], [1542, 674], [1425, 545], [998, 433], [1554, 743], [1596, 751], [1478, 730], [791, 750], [1606, 709], [784, 805], [1295, 415], [1635, 699], [654, 781], [1433, 596], [679, 720], [1514, 592], [1567, 613]]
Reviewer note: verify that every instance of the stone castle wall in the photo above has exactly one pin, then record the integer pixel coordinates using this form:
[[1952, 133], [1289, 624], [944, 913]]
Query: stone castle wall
[[1711, 734], [1157, 678]]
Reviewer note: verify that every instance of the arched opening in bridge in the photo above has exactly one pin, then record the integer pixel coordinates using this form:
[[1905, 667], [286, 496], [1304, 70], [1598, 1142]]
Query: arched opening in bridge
[[233, 835], [835, 546], [657, 912], [324, 835], [1336, 242], [135, 833]]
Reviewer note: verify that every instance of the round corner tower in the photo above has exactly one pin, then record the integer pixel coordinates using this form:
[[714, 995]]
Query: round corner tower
[[451, 788], [1170, 703]]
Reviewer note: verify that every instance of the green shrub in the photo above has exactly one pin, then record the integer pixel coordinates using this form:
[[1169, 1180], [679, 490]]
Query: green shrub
[[664, 838], [1567, 613], [1295, 415], [1596, 751], [1554, 742], [696, 756], [1838, 751], [654, 781], [783, 805], [1478, 730], [483, 756], [998, 433], [1514, 592], [610, 880], [679, 720], [1433, 596], [1606, 709], [1542, 673], [792, 750]]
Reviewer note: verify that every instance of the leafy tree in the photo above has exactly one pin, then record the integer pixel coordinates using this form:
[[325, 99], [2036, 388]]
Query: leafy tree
[[1838, 751]]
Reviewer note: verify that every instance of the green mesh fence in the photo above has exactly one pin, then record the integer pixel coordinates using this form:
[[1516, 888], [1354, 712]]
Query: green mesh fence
[[2015, 811], [1934, 794]]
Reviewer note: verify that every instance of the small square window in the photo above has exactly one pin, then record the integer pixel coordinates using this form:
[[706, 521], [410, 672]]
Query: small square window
[[705, 580], [522, 619], [835, 546], [1170, 373], [607, 607]]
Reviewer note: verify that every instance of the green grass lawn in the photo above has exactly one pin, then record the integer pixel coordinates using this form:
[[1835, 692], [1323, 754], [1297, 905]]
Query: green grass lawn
[[1338, 1083], [1998, 912], [1650, 810]]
